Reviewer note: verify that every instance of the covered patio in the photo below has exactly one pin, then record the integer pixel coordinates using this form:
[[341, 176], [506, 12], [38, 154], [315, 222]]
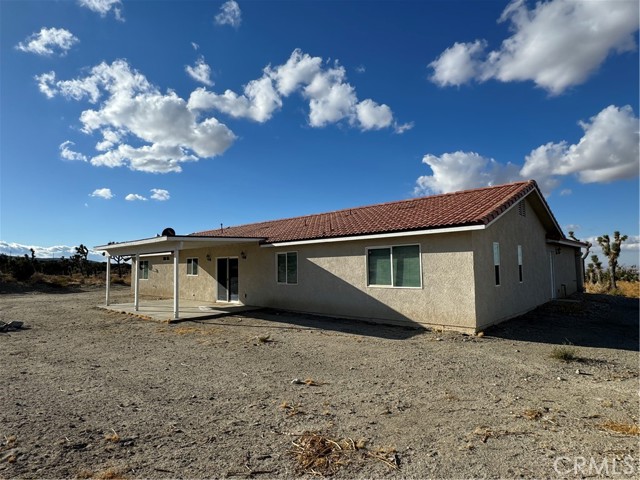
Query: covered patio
[[169, 245], [162, 310]]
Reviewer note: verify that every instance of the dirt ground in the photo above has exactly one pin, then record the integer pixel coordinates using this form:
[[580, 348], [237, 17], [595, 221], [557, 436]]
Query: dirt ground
[[85, 392]]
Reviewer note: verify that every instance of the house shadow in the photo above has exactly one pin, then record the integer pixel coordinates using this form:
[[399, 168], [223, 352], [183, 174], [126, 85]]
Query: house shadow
[[585, 320], [295, 320]]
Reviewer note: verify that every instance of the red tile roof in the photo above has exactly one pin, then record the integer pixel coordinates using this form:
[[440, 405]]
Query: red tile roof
[[465, 208]]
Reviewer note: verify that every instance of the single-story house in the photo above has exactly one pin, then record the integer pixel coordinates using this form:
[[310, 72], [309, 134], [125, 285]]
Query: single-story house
[[461, 261]]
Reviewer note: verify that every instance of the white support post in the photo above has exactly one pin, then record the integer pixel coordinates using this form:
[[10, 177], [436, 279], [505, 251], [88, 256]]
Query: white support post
[[136, 286], [176, 286], [108, 279]]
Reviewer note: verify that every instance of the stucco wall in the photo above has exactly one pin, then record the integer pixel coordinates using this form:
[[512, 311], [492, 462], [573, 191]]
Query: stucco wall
[[511, 297], [332, 280]]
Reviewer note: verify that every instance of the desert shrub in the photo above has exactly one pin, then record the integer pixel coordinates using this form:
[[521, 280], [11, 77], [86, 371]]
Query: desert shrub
[[566, 353], [22, 269]]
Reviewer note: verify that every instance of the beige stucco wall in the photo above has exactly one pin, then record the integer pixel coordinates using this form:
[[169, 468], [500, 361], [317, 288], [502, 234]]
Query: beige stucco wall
[[332, 281], [512, 297]]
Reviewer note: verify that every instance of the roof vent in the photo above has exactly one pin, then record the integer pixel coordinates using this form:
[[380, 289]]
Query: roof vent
[[168, 232]]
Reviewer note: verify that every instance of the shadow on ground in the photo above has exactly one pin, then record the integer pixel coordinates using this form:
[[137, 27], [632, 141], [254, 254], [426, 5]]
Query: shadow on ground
[[289, 320], [586, 320]]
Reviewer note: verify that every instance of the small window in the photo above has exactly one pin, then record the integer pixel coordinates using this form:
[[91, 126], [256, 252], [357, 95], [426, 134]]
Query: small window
[[144, 269], [287, 268], [166, 259], [520, 262], [496, 262], [394, 266], [192, 267]]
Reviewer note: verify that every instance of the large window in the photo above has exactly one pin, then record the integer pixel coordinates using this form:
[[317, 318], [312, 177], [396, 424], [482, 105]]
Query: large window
[[144, 269], [192, 266], [394, 266], [496, 262], [287, 267]]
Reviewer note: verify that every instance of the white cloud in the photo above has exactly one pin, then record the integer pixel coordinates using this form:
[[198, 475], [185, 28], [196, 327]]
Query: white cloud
[[565, 191], [47, 41], [195, 45], [68, 154], [608, 151], [458, 64], [102, 193], [331, 98], [160, 194], [200, 72], [57, 251], [230, 14], [361, 69], [461, 171], [556, 44], [130, 106], [132, 197], [103, 7]]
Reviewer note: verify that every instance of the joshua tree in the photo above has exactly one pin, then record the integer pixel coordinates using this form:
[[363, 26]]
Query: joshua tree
[[594, 270], [119, 259], [612, 251]]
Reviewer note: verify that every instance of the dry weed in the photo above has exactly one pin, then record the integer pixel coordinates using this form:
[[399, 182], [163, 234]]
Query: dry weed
[[532, 414], [291, 409], [112, 437], [624, 428], [320, 455], [566, 353]]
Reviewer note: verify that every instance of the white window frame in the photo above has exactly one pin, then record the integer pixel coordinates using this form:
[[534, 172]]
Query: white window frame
[[520, 269], [286, 266], [141, 275], [391, 247], [190, 263], [496, 264]]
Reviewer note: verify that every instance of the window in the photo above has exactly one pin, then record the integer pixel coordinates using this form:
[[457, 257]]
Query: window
[[496, 261], [287, 267], [192, 267], [144, 270], [520, 262], [394, 266]]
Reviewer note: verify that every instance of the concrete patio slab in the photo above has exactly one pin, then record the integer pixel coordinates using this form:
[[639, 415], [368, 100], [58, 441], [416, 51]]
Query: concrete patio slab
[[162, 310]]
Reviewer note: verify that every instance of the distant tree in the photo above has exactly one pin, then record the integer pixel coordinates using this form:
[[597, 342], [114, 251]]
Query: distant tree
[[80, 258], [119, 259], [611, 249], [33, 254], [595, 269]]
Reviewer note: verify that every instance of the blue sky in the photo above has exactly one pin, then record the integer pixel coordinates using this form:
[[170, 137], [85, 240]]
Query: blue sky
[[120, 118]]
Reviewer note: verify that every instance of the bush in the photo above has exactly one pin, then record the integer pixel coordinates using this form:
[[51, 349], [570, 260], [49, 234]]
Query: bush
[[566, 353], [22, 269]]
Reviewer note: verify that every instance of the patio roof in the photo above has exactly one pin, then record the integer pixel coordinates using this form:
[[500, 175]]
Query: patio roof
[[170, 243]]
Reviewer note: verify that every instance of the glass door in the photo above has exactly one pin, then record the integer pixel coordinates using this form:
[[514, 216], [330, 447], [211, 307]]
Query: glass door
[[227, 280]]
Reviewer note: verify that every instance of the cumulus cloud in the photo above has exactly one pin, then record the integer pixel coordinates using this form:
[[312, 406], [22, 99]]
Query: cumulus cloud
[[462, 171], [230, 14], [151, 131], [200, 72], [67, 154], [556, 44], [331, 99], [133, 197], [103, 7], [128, 105], [102, 193], [607, 151], [160, 194], [49, 41]]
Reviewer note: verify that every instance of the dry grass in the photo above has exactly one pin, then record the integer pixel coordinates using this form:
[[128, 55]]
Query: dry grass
[[624, 428], [566, 353], [291, 409], [111, 473], [112, 437], [625, 289]]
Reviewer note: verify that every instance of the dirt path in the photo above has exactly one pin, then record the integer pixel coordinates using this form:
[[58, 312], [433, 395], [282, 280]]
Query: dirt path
[[87, 392]]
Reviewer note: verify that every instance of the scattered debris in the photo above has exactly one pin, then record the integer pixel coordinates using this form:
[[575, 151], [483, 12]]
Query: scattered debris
[[308, 382], [532, 414], [291, 409]]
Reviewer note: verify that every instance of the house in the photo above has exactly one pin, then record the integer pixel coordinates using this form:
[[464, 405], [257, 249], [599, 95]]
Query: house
[[462, 261]]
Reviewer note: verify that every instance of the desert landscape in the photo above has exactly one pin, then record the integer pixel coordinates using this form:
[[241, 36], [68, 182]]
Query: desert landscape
[[89, 393]]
